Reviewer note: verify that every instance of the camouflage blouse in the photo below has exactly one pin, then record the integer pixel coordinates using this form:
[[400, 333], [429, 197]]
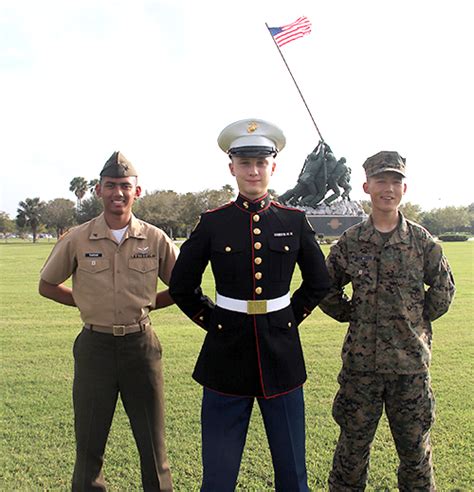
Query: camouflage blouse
[[390, 310]]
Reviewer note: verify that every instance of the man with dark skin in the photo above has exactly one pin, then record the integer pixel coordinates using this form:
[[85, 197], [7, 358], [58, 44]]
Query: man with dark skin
[[115, 261]]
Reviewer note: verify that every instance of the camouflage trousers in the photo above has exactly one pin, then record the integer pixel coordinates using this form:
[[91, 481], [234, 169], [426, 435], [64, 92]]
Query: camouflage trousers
[[409, 405]]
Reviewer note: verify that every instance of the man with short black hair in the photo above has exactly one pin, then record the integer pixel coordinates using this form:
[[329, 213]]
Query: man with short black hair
[[115, 261], [387, 350]]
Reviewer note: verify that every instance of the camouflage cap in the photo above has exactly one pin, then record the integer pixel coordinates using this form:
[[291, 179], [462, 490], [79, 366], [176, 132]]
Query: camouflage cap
[[385, 161], [117, 166]]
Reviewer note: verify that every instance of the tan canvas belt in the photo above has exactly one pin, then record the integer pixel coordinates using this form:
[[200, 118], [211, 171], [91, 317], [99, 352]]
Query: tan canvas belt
[[120, 330], [263, 306]]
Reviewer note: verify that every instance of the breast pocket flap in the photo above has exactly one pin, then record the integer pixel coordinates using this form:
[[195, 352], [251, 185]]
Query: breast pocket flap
[[143, 265], [94, 265], [283, 244]]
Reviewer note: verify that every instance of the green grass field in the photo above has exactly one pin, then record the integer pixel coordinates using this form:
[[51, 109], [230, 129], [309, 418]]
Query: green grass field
[[37, 441]]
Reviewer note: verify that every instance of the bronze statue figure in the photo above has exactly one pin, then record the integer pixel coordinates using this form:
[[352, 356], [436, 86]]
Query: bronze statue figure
[[321, 173]]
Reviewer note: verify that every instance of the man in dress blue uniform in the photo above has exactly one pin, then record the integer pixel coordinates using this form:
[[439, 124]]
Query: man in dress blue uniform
[[252, 348]]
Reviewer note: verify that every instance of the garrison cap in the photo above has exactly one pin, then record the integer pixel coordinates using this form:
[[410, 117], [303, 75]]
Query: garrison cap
[[117, 166], [385, 161], [251, 138]]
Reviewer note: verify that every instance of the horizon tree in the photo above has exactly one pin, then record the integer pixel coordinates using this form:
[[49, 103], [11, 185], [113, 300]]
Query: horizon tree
[[59, 214], [30, 214], [90, 207], [79, 187], [7, 225], [91, 185]]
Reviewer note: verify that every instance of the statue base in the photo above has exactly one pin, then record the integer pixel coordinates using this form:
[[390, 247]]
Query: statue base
[[334, 219]]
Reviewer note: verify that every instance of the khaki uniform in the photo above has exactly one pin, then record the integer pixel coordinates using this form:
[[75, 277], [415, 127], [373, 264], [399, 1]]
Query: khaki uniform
[[115, 284], [112, 284], [387, 348]]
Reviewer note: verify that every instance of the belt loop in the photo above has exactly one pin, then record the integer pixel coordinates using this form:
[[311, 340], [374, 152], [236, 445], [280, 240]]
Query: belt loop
[[89, 327]]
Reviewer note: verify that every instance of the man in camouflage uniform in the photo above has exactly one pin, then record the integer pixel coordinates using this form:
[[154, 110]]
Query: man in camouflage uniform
[[387, 349]]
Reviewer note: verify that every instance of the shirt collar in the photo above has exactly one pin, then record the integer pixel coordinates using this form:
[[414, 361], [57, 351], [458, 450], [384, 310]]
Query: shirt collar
[[101, 230], [369, 234]]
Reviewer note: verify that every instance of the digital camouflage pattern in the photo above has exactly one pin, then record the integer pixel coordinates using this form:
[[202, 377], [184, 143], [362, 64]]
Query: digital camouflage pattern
[[385, 161], [390, 312], [387, 349], [358, 406]]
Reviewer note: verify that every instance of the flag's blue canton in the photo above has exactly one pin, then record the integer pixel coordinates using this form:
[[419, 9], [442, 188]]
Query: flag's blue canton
[[275, 30]]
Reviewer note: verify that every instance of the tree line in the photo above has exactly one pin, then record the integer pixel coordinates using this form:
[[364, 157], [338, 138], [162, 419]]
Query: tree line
[[177, 213]]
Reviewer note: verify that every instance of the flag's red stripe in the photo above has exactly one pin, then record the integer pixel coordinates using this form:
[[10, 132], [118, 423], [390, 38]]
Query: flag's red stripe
[[295, 30]]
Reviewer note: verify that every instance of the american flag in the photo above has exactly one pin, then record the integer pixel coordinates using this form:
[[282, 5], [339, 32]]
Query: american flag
[[285, 34]]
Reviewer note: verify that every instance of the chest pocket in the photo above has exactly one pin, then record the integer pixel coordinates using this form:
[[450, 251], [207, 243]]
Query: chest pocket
[[142, 277], [93, 265], [283, 254], [143, 265], [226, 256], [410, 263]]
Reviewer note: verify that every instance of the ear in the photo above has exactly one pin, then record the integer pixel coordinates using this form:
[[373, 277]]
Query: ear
[[273, 167], [138, 191], [231, 168], [404, 188], [365, 187], [98, 190]]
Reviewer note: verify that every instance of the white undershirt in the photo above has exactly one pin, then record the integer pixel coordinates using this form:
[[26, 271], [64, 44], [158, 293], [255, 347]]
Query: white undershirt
[[118, 233]]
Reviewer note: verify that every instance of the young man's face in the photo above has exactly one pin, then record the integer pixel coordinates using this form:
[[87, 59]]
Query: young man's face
[[118, 194], [386, 191], [252, 174]]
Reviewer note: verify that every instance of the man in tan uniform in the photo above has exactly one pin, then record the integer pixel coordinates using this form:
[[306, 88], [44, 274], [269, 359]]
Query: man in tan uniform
[[115, 261]]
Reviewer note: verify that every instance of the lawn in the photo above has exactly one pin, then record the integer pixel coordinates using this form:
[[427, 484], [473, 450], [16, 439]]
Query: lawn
[[37, 441]]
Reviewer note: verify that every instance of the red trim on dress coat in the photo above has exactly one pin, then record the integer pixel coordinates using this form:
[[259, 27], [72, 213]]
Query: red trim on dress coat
[[253, 396], [196, 319], [279, 205], [254, 201], [219, 208]]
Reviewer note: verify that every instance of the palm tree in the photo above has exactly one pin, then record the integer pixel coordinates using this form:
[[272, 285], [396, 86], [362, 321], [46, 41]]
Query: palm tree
[[29, 214], [78, 186], [91, 185]]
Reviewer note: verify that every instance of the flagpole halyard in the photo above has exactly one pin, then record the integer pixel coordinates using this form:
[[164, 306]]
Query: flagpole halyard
[[294, 80]]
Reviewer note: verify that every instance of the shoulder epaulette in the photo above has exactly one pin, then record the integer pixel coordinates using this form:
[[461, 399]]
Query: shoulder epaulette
[[226, 205], [285, 207], [64, 234], [418, 229]]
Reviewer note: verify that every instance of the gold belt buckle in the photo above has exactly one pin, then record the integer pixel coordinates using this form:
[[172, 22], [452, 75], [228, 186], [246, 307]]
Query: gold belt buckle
[[118, 330], [257, 307]]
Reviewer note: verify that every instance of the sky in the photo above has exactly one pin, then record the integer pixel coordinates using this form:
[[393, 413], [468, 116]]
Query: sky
[[159, 79]]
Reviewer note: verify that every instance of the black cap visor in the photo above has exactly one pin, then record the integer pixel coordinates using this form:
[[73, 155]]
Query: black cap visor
[[253, 151]]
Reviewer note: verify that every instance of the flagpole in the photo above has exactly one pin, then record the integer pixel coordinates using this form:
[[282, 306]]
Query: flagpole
[[288, 68]]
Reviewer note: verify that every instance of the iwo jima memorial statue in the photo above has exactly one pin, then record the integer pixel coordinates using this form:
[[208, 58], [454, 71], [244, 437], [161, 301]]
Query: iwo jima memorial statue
[[322, 173], [323, 192]]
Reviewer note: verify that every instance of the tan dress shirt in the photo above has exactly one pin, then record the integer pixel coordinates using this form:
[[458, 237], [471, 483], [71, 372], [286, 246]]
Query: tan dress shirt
[[112, 283]]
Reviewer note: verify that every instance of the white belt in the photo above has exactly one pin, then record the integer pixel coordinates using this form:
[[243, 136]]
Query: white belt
[[263, 306]]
